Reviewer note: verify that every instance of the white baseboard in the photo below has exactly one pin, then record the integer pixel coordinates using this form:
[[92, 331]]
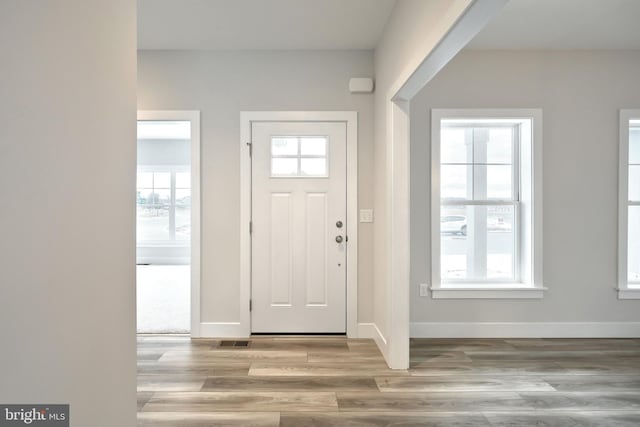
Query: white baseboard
[[370, 330], [222, 330], [525, 330]]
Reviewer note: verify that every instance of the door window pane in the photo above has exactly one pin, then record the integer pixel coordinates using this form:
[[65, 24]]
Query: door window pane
[[284, 166], [313, 167], [313, 146], [304, 156], [284, 146]]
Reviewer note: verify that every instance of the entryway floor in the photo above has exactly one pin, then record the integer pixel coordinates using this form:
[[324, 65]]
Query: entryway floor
[[335, 381]]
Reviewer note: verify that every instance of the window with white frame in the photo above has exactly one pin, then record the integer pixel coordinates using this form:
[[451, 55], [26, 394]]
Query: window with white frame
[[164, 205], [629, 209], [486, 225]]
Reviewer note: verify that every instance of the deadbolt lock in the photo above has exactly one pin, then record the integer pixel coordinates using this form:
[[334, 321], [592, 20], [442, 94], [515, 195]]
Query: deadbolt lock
[[339, 224]]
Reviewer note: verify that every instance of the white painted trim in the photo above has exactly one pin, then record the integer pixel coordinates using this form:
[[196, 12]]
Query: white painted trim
[[398, 237], [623, 204], [525, 330], [409, 83], [371, 331], [468, 25], [351, 120], [222, 330], [487, 293], [628, 293], [194, 117], [532, 286]]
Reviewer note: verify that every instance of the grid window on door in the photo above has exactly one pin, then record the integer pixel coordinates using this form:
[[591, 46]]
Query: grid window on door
[[479, 198], [633, 206], [299, 156]]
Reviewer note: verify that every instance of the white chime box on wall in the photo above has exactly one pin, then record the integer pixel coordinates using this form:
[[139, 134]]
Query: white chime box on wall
[[360, 85]]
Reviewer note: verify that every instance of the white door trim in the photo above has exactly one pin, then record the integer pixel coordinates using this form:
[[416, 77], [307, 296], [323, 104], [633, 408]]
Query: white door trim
[[351, 120], [194, 118]]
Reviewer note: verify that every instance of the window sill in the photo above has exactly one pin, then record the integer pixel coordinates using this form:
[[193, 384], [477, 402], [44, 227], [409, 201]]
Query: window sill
[[498, 291], [629, 293]]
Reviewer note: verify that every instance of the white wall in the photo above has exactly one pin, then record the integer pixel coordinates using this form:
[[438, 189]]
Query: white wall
[[67, 165], [580, 93], [221, 84]]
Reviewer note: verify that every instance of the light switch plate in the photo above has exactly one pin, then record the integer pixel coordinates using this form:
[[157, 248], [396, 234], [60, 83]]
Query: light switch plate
[[366, 215], [424, 290]]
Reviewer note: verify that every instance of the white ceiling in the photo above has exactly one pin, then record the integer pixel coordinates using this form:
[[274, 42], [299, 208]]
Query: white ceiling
[[261, 24], [563, 24]]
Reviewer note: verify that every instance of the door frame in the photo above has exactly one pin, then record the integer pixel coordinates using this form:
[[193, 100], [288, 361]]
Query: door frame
[[193, 116], [350, 118]]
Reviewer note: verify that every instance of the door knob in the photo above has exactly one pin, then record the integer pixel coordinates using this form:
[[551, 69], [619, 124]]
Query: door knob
[[339, 239]]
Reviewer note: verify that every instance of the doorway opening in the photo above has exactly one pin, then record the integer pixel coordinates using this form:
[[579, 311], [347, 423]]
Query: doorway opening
[[167, 206]]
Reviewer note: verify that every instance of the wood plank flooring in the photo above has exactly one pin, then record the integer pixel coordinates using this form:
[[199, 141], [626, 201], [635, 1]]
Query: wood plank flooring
[[334, 381]]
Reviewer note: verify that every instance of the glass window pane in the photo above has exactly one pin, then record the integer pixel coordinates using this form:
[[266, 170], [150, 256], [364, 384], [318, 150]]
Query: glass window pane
[[162, 196], [161, 180], [183, 197], [455, 253], [313, 167], [183, 222], [183, 180], [145, 180], [633, 245], [499, 181], [500, 145], [454, 146], [152, 223], [634, 183], [477, 242], [500, 242], [284, 167], [313, 146], [456, 182], [634, 146], [284, 146], [144, 196]]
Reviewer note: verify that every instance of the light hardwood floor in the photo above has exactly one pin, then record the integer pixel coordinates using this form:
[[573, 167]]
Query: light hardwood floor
[[334, 381]]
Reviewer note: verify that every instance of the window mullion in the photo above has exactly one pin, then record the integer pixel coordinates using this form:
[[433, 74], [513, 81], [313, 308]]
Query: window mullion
[[172, 208], [479, 233]]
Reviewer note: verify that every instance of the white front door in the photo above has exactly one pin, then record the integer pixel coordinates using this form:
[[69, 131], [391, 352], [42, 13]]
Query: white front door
[[298, 276]]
